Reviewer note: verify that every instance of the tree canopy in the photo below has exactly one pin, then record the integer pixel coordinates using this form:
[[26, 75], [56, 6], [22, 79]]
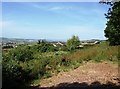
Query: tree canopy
[[112, 30]]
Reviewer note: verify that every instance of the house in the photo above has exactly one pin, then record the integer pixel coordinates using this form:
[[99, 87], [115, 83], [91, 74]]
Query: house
[[54, 45], [58, 44], [96, 42], [90, 42], [80, 46]]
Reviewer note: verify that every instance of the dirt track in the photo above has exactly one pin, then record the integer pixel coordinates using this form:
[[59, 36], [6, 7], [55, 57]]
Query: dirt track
[[87, 73]]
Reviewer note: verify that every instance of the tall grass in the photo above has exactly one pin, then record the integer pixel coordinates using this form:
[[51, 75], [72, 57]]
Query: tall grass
[[97, 53]]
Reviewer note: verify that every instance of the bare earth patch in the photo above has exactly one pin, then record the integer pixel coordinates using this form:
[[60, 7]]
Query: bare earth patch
[[90, 72]]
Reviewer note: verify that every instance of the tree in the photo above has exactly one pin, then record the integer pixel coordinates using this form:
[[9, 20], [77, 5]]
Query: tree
[[112, 30], [73, 43]]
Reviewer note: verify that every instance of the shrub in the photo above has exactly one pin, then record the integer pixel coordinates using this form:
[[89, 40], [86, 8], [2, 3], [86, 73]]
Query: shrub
[[12, 74], [73, 43], [45, 47], [21, 54]]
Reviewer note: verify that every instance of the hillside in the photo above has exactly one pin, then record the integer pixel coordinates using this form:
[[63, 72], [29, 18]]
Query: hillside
[[45, 65]]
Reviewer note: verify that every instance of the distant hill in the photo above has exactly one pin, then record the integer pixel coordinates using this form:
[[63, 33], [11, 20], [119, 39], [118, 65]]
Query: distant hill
[[19, 40], [16, 40]]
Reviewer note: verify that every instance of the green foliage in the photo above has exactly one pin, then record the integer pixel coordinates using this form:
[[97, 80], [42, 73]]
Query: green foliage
[[5, 47], [73, 43], [22, 53], [12, 74], [44, 47], [26, 63], [42, 64], [112, 31], [63, 48]]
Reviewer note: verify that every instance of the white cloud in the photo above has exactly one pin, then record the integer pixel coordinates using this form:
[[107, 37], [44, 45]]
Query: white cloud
[[51, 8], [57, 8]]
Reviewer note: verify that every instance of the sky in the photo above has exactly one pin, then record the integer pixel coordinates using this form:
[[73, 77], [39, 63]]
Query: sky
[[53, 20]]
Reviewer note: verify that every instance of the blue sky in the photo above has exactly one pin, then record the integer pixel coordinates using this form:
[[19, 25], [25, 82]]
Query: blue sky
[[54, 21]]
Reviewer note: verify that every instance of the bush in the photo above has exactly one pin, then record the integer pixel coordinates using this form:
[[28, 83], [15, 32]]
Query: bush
[[22, 53], [44, 47], [12, 74], [73, 43]]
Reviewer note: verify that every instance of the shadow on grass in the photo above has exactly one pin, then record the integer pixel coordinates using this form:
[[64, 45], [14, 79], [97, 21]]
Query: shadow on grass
[[84, 85]]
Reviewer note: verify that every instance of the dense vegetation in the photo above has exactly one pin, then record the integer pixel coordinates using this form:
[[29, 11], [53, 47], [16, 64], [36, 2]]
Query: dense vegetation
[[112, 30], [26, 63]]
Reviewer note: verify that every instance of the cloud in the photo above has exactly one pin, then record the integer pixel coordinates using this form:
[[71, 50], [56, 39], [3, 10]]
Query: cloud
[[57, 8], [51, 7]]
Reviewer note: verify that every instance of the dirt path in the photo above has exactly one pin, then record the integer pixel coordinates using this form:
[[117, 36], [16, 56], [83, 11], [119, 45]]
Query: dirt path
[[88, 73]]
